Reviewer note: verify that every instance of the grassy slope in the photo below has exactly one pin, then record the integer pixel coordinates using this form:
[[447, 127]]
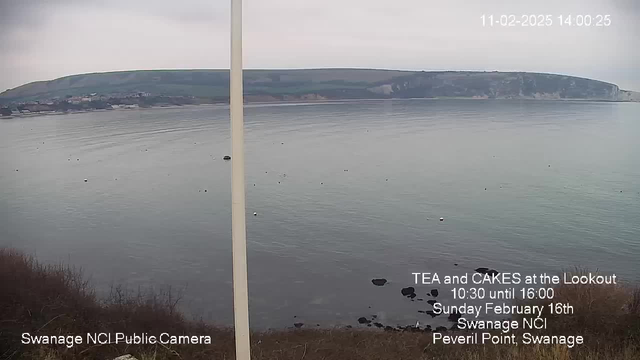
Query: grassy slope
[[201, 83], [54, 300]]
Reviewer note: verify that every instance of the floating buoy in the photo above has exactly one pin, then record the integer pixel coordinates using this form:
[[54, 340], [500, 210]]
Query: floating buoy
[[85, 180], [549, 165], [441, 219], [255, 214], [227, 157], [205, 190]]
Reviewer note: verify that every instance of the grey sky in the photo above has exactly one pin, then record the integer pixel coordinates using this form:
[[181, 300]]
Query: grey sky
[[46, 39]]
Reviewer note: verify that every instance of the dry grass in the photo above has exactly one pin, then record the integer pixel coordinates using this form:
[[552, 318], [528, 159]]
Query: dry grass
[[56, 300]]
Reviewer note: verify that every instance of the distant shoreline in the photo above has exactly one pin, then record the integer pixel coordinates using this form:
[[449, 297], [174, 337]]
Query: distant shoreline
[[297, 102]]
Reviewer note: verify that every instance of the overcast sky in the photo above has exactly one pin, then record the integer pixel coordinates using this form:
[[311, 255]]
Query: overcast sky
[[46, 39]]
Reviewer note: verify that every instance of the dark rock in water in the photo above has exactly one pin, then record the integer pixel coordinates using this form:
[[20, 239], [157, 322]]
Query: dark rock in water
[[295, 316], [379, 282], [434, 292], [411, 296], [421, 311], [493, 272], [482, 270], [368, 325], [455, 264], [427, 329], [226, 157], [348, 326], [454, 316], [317, 324], [363, 320], [389, 328], [378, 325], [420, 299], [431, 302], [440, 329], [408, 291], [298, 325], [374, 316], [431, 312]]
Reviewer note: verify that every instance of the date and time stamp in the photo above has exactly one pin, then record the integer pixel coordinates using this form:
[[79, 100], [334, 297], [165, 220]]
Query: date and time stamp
[[546, 20]]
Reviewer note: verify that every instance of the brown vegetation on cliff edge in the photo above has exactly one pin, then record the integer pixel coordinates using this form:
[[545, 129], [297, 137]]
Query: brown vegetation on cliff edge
[[57, 300]]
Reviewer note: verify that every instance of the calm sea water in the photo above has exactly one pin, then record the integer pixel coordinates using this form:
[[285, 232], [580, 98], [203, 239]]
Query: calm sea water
[[562, 186]]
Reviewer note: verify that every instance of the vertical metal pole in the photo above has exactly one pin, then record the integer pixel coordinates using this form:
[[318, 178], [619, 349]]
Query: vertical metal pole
[[238, 220]]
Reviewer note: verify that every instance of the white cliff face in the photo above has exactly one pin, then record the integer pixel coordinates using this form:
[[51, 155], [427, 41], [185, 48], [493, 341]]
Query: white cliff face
[[385, 89], [626, 95]]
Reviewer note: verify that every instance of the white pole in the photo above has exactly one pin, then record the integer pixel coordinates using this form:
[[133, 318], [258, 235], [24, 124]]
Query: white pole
[[238, 220]]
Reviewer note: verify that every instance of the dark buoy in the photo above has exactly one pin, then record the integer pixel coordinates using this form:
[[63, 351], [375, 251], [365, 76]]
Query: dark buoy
[[226, 157], [85, 180], [256, 214], [379, 282], [298, 325], [441, 219], [205, 190]]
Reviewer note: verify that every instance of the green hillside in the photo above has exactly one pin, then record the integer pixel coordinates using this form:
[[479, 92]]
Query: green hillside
[[273, 85]]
